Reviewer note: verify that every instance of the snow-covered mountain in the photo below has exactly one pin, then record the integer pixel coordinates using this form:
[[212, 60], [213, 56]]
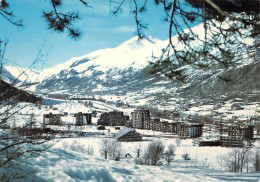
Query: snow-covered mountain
[[122, 69], [132, 53], [108, 70], [11, 73]]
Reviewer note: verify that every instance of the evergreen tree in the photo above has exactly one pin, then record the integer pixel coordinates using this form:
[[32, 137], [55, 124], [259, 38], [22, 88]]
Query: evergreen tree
[[56, 20]]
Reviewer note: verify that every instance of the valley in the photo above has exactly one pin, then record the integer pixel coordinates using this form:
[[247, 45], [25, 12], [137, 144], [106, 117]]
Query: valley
[[90, 108]]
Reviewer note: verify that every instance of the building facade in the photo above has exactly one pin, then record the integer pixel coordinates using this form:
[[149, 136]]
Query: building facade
[[141, 118], [82, 119], [113, 118], [191, 130], [52, 119], [246, 132]]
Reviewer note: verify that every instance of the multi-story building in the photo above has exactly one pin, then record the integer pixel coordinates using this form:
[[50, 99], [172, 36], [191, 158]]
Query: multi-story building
[[141, 118], [246, 132], [113, 118], [189, 129], [164, 126], [82, 118], [52, 119], [154, 123], [172, 127]]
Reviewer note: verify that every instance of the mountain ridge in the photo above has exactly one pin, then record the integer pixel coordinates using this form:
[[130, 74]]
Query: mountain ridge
[[122, 69], [131, 55]]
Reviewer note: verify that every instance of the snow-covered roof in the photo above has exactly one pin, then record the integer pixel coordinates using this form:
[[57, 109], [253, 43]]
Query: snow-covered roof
[[122, 132], [52, 112]]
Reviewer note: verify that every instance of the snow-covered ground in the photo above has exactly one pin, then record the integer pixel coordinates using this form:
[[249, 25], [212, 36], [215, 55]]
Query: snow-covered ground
[[59, 164], [63, 164]]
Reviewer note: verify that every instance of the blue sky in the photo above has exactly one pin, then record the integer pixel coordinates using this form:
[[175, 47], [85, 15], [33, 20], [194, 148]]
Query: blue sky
[[100, 30]]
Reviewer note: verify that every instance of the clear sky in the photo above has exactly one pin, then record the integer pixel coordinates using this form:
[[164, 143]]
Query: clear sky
[[100, 30]]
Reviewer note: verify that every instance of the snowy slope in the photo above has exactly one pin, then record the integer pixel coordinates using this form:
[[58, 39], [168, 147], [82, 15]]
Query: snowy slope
[[7, 76], [108, 69], [63, 165], [22, 74], [132, 53]]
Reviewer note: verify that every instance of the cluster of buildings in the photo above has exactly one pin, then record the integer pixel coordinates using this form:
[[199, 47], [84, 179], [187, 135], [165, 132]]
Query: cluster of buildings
[[232, 136], [245, 132], [141, 120], [237, 135], [77, 119]]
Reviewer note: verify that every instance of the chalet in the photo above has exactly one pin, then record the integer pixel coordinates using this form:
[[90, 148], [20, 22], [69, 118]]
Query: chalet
[[192, 104], [113, 118], [197, 104], [215, 113], [254, 118], [236, 106], [82, 118], [127, 134], [140, 118], [126, 106], [52, 119]]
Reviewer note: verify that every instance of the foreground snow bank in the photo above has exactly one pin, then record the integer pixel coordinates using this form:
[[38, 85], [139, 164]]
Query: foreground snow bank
[[63, 165]]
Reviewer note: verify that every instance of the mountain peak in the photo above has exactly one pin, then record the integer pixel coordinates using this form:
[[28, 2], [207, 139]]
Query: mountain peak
[[136, 42]]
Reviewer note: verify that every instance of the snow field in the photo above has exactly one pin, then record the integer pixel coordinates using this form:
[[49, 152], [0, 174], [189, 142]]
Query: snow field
[[62, 164], [58, 164]]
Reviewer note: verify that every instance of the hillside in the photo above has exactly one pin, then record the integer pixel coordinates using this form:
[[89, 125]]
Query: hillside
[[122, 70], [82, 167], [119, 69], [239, 80], [10, 92]]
